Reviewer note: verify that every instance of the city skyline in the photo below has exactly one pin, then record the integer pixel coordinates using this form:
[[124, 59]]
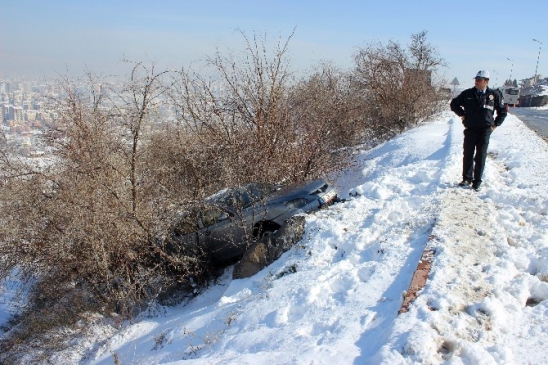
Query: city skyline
[[65, 37]]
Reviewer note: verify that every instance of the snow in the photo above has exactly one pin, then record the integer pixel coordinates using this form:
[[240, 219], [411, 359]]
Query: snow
[[334, 297], [543, 90]]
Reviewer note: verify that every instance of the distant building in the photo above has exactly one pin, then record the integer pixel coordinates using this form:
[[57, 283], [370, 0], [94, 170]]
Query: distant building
[[31, 115], [4, 87], [18, 113], [4, 110], [530, 81]]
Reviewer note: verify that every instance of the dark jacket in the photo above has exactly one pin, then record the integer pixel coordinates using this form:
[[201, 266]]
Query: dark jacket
[[478, 111]]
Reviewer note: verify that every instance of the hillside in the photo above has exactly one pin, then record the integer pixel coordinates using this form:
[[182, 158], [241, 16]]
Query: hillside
[[334, 298]]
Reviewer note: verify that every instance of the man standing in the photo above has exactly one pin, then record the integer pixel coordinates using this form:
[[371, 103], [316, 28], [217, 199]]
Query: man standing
[[476, 107]]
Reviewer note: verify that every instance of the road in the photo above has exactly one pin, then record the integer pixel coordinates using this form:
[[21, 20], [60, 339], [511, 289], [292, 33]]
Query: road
[[534, 118]]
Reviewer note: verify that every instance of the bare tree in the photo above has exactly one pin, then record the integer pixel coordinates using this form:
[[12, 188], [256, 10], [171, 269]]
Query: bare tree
[[326, 101], [240, 121], [398, 82]]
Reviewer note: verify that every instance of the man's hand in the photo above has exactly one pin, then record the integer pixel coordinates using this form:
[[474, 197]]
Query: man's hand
[[493, 127]]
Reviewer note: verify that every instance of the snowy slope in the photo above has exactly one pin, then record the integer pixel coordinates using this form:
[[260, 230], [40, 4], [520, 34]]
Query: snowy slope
[[334, 298]]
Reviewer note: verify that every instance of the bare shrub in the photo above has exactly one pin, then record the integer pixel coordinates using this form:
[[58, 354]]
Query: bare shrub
[[397, 81], [84, 231], [327, 102], [90, 230], [241, 121]]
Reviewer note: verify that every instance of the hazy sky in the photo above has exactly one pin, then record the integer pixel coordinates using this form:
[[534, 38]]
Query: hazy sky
[[59, 37]]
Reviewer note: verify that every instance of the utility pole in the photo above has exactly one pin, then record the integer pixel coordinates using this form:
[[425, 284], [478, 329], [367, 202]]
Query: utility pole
[[511, 69], [538, 58]]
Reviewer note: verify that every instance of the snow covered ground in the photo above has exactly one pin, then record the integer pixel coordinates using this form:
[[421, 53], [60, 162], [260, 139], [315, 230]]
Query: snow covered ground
[[334, 298]]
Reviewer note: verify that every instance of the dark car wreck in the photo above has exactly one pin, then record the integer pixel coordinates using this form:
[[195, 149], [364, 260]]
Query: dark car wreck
[[231, 220]]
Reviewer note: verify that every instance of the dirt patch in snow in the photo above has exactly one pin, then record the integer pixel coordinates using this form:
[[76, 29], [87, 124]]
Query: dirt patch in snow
[[466, 249], [464, 242]]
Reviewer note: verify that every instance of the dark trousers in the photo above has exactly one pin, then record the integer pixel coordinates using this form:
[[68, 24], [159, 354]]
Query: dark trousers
[[475, 141]]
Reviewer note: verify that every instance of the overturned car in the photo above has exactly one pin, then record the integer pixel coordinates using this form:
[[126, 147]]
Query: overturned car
[[228, 222]]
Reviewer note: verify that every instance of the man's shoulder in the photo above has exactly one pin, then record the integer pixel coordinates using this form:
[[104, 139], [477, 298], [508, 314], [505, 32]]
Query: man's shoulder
[[465, 94], [468, 91]]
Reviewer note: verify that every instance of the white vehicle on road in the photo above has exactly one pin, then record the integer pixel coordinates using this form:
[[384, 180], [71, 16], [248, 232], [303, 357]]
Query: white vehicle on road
[[510, 95]]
